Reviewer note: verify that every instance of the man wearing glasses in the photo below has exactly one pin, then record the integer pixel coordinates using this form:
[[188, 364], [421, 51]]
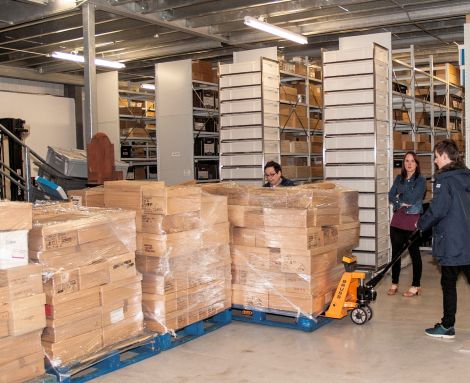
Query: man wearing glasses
[[273, 173]]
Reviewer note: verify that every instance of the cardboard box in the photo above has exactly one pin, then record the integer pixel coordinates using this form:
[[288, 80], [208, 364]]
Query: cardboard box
[[126, 309], [171, 200], [14, 347], [89, 196], [60, 305], [123, 330], [202, 71], [166, 224], [15, 216], [122, 267], [73, 325], [23, 368], [250, 296], [174, 244], [41, 239], [171, 321], [13, 248], [287, 93], [114, 293], [73, 349], [214, 209], [22, 281], [26, 314]]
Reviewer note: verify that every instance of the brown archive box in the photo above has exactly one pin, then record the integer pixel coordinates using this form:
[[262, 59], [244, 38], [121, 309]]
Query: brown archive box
[[121, 267], [85, 277], [73, 349], [73, 325], [127, 194], [22, 369], [14, 347], [15, 216], [93, 197], [26, 314], [124, 329], [58, 306], [22, 281], [153, 223], [171, 200]]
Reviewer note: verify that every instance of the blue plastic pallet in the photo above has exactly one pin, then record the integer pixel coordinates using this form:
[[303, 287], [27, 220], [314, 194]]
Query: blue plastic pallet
[[278, 318], [104, 363], [195, 330]]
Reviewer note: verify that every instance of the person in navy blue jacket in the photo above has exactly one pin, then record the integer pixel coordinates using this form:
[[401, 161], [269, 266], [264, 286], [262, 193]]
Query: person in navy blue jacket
[[406, 195], [449, 216], [273, 173]]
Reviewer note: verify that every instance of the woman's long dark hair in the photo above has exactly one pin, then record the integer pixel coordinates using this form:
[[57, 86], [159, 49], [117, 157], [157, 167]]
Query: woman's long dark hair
[[403, 169]]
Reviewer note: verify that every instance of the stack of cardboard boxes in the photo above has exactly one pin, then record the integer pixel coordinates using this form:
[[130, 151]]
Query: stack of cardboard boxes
[[21, 298], [88, 197], [93, 292], [182, 251], [287, 244]]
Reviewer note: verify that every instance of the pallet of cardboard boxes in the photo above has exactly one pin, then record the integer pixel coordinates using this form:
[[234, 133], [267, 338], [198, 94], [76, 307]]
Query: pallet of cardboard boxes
[[93, 292], [287, 244], [182, 251]]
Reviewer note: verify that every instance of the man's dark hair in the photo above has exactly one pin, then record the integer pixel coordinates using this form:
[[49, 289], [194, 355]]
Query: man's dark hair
[[403, 168], [273, 164], [450, 148]]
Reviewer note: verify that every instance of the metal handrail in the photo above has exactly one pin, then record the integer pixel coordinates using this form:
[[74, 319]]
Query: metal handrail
[[27, 152]]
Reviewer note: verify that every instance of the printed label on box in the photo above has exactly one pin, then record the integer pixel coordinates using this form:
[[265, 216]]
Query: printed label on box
[[117, 315]]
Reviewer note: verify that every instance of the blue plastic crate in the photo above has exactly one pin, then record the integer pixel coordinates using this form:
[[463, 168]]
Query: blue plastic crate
[[278, 318], [195, 330]]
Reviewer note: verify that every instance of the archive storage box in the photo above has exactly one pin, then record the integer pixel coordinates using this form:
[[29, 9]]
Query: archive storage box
[[87, 254], [15, 221], [287, 244], [182, 251], [22, 319]]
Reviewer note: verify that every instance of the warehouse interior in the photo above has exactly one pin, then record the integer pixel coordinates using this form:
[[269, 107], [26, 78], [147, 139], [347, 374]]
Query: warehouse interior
[[168, 110]]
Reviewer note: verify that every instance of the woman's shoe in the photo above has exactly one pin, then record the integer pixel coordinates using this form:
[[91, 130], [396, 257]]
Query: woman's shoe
[[412, 291], [393, 289]]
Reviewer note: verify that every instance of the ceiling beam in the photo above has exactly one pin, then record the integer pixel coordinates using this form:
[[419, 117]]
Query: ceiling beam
[[33, 75]]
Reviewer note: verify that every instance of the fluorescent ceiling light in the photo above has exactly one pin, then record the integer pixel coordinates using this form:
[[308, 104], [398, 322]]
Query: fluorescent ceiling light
[[81, 59], [281, 32], [147, 86]]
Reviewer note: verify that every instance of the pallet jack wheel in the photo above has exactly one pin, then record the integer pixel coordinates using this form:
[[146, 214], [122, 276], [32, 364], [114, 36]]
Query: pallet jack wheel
[[359, 315], [368, 311]]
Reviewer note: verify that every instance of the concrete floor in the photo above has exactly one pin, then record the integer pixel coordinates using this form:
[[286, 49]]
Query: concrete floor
[[392, 347]]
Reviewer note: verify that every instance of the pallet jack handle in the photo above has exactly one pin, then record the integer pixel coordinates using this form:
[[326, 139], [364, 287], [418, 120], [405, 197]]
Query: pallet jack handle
[[416, 235]]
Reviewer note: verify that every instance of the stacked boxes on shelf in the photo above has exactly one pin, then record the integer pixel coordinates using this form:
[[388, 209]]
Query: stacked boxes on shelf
[[93, 292], [182, 251], [249, 108], [356, 115], [301, 102], [287, 244], [21, 298]]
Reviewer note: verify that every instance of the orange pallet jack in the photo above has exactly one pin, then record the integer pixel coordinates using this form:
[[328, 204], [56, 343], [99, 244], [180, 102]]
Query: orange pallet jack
[[353, 295]]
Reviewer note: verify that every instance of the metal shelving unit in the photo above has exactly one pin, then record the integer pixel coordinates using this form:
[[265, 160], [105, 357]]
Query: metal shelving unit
[[300, 96], [427, 105], [187, 124], [356, 111], [249, 119], [137, 131]]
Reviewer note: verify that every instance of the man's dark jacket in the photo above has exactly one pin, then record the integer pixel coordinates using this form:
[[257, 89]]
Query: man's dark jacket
[[449, 215]]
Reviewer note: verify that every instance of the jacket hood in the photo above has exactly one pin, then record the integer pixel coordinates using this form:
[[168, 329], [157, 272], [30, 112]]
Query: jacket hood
[[450, 167]]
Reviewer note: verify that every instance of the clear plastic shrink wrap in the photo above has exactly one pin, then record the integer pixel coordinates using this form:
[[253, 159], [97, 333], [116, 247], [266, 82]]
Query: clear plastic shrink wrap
[[182, 251], [287, 244], [93, 291]]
